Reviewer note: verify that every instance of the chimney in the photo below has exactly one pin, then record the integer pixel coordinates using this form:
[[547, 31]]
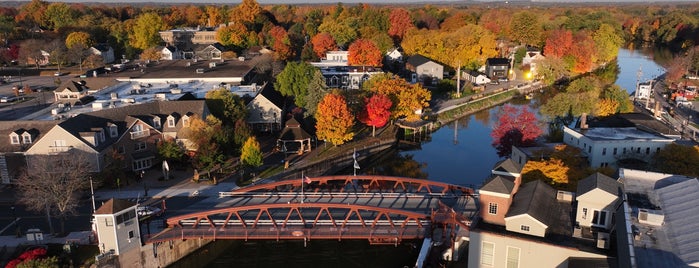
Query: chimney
[[656, 112], [583, 121]]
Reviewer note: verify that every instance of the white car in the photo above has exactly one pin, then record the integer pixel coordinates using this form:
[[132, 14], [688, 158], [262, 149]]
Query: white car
[[144, 211]]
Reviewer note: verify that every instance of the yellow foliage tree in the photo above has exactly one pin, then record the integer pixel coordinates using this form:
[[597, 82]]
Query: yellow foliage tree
[[549, 170], [152, 53], [407, 99], [606, 107]]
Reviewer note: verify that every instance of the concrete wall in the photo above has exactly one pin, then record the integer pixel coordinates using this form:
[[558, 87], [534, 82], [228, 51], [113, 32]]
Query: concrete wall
[[531, 253], [167, 253]]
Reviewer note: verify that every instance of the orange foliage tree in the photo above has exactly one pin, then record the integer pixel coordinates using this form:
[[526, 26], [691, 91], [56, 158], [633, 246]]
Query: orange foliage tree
[[323, 42], [408, 99], [365, 53], [333, 119], [558, 43], [281, 43], [400, 22], [583, 51], [377, 112]]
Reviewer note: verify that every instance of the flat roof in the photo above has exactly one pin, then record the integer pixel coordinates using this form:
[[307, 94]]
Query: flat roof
[[675, 241], [182, 70], [620, 133]]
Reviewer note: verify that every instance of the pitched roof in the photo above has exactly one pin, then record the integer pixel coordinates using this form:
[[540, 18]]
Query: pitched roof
[[537, 200], [293, 131], [74, 86], [598, 181], [681, 209], [507, 165], [499, 184], [417, 60], [36, 128], [114, 206], [104, 47], [273, 95]]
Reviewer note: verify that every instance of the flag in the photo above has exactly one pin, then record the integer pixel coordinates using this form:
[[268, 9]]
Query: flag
[[166, 167], [354, 156], [306, 180]]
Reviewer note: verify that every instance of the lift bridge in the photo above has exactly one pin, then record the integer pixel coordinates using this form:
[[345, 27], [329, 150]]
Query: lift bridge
[[381, 209]]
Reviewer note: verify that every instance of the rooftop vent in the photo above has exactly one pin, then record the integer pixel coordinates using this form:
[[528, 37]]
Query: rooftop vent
[[564, 196], [651, 217]]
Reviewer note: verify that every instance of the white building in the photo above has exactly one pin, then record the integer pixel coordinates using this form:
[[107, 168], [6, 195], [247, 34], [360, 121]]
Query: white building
[[116, 223], [104, 50], [644, 90], [598, 197], [606, 143], [333, 59]]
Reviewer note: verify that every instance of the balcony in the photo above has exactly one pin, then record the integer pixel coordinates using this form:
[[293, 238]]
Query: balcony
[[140, 134]]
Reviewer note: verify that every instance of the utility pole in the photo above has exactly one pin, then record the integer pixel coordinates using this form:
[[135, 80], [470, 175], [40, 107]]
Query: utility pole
[[638, 81], [458, 78]]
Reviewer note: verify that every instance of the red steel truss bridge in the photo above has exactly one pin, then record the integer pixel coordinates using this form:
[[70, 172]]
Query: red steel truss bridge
[[381, 209]]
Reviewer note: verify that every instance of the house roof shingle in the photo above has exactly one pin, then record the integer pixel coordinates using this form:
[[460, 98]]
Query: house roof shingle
[[114, 206], [273, 95], [507, 165], [497, 61], [499, 184], [293, 131], [537, 200], [598, 181], [36, 128]]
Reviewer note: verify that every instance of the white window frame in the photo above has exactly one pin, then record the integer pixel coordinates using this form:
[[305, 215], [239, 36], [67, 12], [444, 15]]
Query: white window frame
[[511, 262], [488, 257], [185, 121], [171, 121], [26, 138], [525, 228], [492, 205], [156, 122], [102, 137], [14, 138], [597, 215], [584, 213], [113, 132], [140, 146]]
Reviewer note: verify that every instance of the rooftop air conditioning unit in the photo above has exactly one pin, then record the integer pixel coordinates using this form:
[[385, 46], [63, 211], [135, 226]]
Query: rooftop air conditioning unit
[[651, 217], [603, 240], [241, 58], [212, 64], [114, 96]]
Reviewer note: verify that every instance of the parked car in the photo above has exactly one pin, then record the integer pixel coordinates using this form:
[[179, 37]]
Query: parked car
[[8, 99]]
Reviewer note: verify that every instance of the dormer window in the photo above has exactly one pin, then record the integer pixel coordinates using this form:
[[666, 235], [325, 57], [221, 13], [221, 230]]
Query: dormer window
[[14, 138], [102, 137], [156, 122], [113, 132], [170, 121], [185, 121], [26, 138]]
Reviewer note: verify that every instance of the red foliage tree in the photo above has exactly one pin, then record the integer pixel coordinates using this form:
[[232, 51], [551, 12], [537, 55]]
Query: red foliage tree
[[400, 23], [377, 113], [365, 53], [516, 126], [323, 42], [583, 51], [559, 43], [281, 43]]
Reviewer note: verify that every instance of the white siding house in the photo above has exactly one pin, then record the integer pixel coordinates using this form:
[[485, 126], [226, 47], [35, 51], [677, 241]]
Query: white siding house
[[117, 226], [597, 196]]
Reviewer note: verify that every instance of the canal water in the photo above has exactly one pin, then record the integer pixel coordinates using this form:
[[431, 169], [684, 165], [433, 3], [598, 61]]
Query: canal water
[[458, 153]]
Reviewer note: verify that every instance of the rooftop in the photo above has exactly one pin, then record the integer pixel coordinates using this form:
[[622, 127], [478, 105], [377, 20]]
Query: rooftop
[[672, 241], [620, 133], [642, 122]]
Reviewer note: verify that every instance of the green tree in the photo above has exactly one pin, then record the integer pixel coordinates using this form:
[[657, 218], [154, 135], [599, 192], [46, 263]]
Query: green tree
[[207, 137], [251, 154], [342, 32], [294, 80], [677, 159], [59, 15], [333, 119], [146, 30], [169, 149], [225, 105], [234, 35], [621, 96], [607, 43], [317, 89], [241, 132]]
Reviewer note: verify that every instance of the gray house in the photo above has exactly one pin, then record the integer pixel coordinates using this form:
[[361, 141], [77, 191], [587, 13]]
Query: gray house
[[497, 68], [423, 69]]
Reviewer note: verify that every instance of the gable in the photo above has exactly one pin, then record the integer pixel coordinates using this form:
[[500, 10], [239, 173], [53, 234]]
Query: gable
[[47, 144], [597, 196]]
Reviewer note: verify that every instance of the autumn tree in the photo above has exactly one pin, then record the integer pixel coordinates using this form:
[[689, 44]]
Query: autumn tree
[[214, 15], [53, 184], [677, 159], [558, 43], [468, 46], [551, 170], [146, 31], [250, 153], [59, 15], [225, 105], [365, 53], [606, 107], [399, 22], [58, 53], [620, 96], [525, 28], [409, 100], [80, 38], [607, 43], [323, 42], [293, 81], [170, 150], [377, 112], [246, 12], [583, 52], [281, 43], [515, 127], [152, 54], [334, 120], [234, 35], [207, 137]]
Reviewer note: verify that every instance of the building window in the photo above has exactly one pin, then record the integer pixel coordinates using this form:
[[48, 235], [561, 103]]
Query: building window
[[171, 121], [599, 217], [121, 149], [657, 150], [492, 208], [512, 257], [14, 139], [614, 151], [156, 122], [139, 146], [584, 213], [524, 228], [142, 164], [647, 150], [589, 150], [624, 150], [108, 222], [638, 150], [102, 137], [488, 254], [185, 121], [113, 131], [604, 151]]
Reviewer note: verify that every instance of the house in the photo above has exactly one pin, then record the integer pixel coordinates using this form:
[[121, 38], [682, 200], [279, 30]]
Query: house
[[531, 58], [266, 109], [348, 77], [131, 131], [255, 51], [20, 136], [294, 139], [424, 70], [476, 77], [497, 69], [496, 193], [644, 90], [606, 140], [657, 222], [71, 91], [394, 55], [171, 53], [598, 196], [104, 50], [117, 226], [333, 59], [42, 60], [522, 155], [210, 52]]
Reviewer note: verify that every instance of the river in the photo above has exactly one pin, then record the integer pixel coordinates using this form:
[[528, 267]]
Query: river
[[458, 153]]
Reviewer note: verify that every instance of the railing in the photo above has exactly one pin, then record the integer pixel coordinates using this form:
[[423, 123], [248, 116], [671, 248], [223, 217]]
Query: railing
[[140, 134]]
